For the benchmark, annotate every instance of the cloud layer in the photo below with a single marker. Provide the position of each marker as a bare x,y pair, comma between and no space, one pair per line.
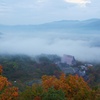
81,46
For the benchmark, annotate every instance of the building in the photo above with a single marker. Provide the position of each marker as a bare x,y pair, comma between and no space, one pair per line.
68,59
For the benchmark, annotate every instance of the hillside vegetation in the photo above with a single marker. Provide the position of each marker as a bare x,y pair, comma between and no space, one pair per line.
40,78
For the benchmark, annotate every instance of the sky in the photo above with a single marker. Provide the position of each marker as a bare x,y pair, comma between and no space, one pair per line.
14,12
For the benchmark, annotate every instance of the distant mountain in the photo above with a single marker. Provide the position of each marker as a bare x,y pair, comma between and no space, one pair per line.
56,26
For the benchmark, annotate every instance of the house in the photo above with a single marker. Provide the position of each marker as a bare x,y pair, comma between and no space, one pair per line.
68,59
83,67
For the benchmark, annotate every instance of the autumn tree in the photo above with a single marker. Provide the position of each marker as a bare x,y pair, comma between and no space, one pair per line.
70,87
74,87
7,91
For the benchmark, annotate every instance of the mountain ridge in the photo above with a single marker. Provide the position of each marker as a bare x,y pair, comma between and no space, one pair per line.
62,26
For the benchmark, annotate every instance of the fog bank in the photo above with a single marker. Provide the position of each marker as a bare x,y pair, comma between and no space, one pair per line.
84,47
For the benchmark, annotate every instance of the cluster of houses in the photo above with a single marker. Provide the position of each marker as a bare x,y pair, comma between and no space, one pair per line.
67,63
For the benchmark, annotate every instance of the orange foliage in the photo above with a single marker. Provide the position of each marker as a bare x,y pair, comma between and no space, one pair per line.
37,98
1,69
71,85
7,92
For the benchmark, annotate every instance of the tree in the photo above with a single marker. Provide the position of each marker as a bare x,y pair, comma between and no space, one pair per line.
53,94
74,87
62,88
7,91
35,92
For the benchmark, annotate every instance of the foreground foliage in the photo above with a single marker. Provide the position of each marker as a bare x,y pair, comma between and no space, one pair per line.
7,91
62,88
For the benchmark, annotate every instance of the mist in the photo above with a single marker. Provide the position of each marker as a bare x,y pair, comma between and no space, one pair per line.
85,47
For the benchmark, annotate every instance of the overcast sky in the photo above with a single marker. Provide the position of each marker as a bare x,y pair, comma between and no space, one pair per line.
41,11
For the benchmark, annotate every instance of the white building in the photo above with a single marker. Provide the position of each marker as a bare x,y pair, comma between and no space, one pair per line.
68,59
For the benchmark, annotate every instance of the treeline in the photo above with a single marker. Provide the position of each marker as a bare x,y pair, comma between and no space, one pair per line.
24,68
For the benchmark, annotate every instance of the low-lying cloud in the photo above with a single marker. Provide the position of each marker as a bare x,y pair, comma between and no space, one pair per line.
81,46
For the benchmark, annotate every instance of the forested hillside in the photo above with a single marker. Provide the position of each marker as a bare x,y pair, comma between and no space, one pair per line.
42,78
27,69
